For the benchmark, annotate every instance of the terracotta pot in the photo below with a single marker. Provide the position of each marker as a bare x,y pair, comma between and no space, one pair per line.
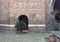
52,38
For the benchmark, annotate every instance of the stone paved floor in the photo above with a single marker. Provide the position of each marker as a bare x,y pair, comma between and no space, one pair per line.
11,36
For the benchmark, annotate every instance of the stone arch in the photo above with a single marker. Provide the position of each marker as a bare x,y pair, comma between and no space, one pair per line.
55,6
52,5
24,18
55,10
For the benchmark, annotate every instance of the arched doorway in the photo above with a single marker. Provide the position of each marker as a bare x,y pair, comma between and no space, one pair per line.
55,9
55,6
24,18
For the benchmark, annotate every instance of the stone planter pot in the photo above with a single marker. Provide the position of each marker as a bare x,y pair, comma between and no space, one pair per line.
19,30
52,38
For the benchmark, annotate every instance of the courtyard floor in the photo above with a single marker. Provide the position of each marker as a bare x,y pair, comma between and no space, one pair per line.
12,36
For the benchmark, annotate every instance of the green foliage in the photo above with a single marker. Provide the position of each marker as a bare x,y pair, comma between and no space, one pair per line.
47,39
20,25
52,23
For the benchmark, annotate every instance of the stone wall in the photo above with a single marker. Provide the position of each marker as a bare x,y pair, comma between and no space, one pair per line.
36,10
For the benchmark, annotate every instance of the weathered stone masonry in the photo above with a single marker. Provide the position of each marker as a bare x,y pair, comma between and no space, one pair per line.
35,10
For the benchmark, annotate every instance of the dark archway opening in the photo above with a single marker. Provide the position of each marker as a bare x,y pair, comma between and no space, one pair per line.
24,18
57,17
57,8
57,5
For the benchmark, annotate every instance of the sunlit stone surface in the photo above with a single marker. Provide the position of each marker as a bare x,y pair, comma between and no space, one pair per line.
35,10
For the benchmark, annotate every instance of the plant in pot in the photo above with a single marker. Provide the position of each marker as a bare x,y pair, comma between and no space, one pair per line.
20,26
52,38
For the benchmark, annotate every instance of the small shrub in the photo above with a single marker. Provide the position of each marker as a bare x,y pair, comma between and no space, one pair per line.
52,24
20,25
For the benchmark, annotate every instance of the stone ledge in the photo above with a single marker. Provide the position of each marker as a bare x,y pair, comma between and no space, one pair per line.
37,29
30,29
